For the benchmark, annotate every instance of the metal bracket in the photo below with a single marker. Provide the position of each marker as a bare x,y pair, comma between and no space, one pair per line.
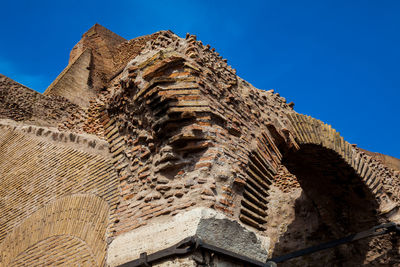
187,245
374,231
193,243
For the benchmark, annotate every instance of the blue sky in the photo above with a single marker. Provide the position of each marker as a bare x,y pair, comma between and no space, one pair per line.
338,61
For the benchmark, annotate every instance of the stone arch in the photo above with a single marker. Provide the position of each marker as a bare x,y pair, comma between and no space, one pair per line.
83,218
343,191
309,131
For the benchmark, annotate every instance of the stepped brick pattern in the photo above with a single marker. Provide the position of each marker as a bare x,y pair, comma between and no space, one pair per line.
137,134
20,103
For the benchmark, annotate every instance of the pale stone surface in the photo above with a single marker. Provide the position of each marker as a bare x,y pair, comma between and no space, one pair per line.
185,262
210,225
224,262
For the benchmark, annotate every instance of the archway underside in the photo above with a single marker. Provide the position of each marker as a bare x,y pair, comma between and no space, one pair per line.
374,175
341,193
334,202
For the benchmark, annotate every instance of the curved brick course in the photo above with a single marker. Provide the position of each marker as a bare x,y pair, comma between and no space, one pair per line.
312,131
81,216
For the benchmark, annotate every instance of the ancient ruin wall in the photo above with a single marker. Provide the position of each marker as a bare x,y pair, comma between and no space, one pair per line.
186,144
342,190
94,61
74,82
22,104
187,138
55,187
196,135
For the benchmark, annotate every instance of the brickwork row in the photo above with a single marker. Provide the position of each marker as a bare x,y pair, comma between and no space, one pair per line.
84,217
120,162
377,177
59,250
19,103
260,173
52,135
39,166
177,138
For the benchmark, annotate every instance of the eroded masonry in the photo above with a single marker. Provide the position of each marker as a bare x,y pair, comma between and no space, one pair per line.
140,144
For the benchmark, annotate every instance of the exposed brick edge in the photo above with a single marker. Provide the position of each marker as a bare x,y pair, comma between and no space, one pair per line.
92,143
49,89
308,130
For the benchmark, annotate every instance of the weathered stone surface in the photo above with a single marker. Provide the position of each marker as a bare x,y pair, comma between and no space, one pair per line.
230,235
175,144
211,226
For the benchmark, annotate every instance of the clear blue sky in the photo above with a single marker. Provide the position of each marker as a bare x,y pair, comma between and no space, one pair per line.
339,61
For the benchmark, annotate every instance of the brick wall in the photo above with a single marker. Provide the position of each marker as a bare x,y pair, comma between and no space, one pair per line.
196,135
185,142
74,82
55,187
170,128
19,103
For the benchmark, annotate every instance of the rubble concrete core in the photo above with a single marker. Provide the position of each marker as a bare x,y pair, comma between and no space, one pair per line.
211,226
157,139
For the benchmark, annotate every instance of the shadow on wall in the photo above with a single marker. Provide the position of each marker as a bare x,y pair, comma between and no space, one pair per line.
334,203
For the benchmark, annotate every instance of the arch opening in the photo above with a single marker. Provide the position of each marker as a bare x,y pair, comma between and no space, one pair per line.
334,202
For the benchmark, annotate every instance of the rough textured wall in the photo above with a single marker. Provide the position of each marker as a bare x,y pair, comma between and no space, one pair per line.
196,135
94,61
74,82
186,144
186,138
19,103
54,187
